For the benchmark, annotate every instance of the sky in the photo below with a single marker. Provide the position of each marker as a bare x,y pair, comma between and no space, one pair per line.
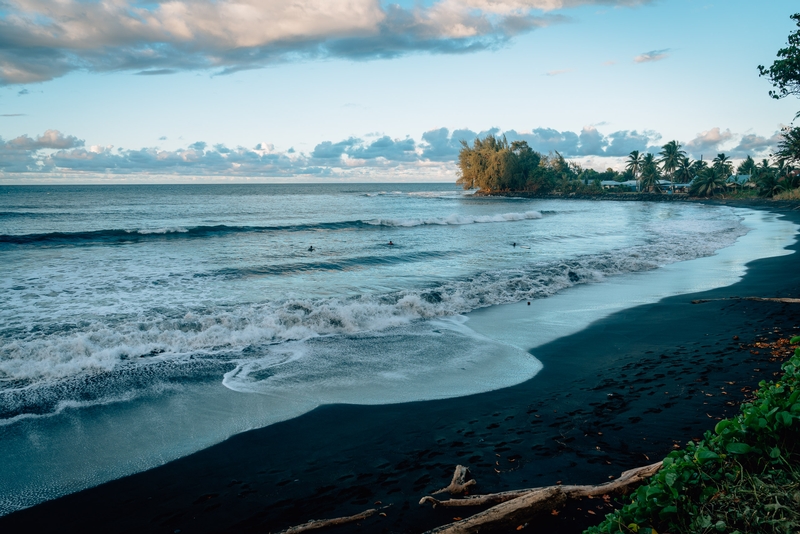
365,90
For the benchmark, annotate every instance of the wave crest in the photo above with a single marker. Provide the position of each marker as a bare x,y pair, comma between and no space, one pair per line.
455,219
179,232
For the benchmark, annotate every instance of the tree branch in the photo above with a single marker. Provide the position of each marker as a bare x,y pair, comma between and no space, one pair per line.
315,524
459,484
519,507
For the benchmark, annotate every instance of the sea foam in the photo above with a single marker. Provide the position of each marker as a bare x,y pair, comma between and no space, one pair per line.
135,351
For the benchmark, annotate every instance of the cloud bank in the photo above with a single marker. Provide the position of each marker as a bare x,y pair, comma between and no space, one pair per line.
43,39
434,154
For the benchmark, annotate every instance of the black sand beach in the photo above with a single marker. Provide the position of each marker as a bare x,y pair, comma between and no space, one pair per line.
620,394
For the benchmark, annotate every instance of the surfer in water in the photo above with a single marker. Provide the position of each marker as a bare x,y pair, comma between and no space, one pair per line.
391,244
514,244
311,248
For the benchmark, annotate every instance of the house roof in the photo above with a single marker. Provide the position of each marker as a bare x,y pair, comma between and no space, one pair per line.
738,179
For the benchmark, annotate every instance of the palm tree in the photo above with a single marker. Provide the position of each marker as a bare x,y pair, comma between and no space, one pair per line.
671,155
761,169
767,179
768,184
650,174
748,167
634,164
698,166
723,164
789,146
708,182
685,170
787,177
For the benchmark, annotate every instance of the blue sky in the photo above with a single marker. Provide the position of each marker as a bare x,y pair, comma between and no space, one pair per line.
366,91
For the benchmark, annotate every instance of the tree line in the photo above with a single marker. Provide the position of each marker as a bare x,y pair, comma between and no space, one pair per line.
493,164
765,178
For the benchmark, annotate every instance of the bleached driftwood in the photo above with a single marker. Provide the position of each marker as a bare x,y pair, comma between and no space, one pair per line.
477,500
325,523
760,299
459,484
518,507
507,515
511,508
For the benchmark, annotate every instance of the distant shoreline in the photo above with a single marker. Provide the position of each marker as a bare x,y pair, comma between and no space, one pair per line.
659,197
756,203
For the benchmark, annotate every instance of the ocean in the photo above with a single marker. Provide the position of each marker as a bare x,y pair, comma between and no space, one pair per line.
142,323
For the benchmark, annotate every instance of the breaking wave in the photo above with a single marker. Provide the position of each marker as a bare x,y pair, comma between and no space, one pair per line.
458,219
103,237
40,373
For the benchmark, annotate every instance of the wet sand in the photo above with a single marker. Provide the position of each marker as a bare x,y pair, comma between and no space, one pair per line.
619,394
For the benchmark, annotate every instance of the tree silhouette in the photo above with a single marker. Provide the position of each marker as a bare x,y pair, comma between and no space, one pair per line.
784,73
634,164
671,155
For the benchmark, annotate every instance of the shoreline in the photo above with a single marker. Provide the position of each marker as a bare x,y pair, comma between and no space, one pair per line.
610,397
769,204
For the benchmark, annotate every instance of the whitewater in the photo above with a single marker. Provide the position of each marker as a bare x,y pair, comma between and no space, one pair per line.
139,324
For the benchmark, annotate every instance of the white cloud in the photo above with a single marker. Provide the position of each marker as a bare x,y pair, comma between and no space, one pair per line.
708,142
753,144
507,6
44,39
592,141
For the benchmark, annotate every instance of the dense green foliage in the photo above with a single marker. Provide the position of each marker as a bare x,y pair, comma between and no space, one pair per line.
744,477
494,164
708,181
773,180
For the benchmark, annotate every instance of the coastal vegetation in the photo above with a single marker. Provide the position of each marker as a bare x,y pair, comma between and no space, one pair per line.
492,164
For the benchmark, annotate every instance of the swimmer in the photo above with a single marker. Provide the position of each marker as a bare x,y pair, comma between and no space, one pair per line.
391,243
514,244
311,248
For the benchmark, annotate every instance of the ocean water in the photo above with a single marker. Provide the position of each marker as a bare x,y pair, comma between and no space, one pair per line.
141,323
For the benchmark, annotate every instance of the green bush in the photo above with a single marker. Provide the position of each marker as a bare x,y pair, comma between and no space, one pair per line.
741,478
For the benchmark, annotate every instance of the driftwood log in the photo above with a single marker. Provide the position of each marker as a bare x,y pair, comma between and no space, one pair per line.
760,299
325,523
514,508
509,508
459,484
